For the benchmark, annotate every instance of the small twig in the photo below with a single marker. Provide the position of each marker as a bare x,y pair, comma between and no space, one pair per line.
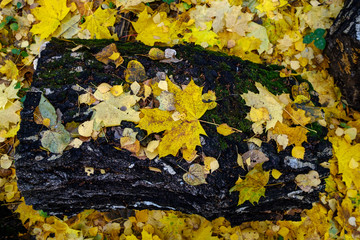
235,129
311,130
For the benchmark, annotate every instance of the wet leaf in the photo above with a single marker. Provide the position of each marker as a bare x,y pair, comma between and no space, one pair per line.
195,176
56,140
252,188
224,129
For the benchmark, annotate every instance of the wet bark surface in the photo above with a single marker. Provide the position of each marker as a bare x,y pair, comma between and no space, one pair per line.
58,183
343,51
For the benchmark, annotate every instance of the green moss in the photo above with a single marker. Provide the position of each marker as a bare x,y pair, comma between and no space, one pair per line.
225,67
223,144
319,132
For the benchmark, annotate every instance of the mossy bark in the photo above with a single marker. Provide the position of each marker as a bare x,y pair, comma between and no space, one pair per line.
59,184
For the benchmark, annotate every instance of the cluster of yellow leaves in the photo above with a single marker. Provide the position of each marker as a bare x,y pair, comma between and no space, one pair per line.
278,113
9,110
181,124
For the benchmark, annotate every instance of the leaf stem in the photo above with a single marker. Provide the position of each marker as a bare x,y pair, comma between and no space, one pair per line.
215,124
310,130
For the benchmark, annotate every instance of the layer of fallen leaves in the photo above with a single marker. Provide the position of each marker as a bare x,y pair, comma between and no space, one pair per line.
268,31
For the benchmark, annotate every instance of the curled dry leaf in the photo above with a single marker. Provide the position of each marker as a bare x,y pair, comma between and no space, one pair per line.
110,54
104,87
211,164
255,156
307,181
89,170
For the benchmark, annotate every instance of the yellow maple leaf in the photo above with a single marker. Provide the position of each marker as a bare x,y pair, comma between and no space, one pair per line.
204,37
323,84
179,132
348,158
98,23
10,70
7,93
244,47
285,43
267,100
50,13
115,109
237,21
151,29
252,188
296,135
9,115
173,225
27,213
270,5
298,116
204,232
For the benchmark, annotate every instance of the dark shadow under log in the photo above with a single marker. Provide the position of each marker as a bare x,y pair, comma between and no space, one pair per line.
58,183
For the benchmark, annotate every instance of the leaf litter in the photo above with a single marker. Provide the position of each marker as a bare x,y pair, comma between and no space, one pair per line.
281,36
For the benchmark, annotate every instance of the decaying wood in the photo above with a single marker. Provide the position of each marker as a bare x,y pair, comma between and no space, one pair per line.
343,51
58,183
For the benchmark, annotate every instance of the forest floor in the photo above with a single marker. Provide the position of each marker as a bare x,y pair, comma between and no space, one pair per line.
289,33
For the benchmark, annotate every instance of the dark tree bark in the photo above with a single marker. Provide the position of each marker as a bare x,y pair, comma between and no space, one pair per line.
343,51
58,184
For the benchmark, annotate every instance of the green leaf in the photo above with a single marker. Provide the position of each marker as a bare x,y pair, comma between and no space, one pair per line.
319,32
24,54
97,237
43,214
18,85
14,26
15,51
168,1
308,39
9,19
344,125
2,25
47,110
56,141
23,99
320,43
111,5
18,5
186,6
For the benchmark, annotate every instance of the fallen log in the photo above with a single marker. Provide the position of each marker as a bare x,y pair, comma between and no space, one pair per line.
58,183
343,51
